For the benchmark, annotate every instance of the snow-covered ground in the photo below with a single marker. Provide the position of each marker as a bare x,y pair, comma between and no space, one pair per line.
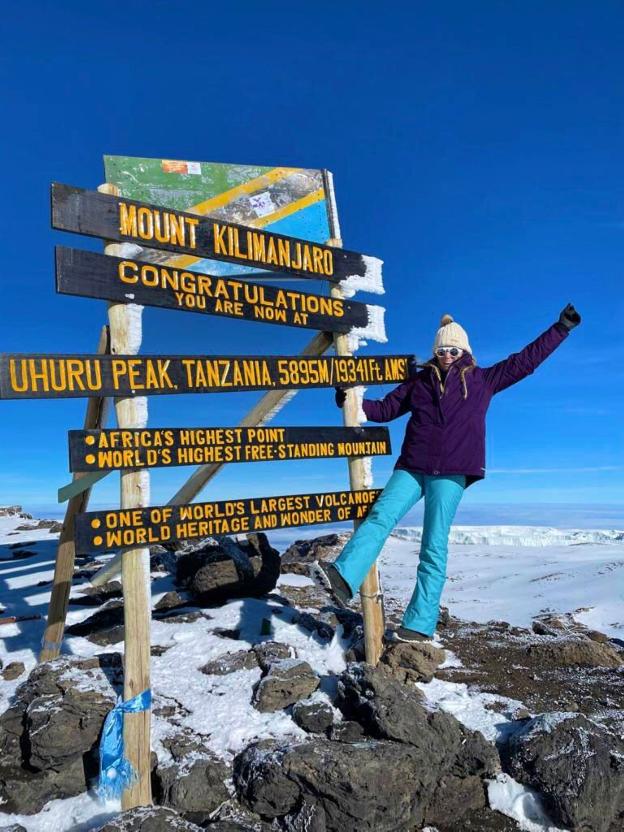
509,573
512,573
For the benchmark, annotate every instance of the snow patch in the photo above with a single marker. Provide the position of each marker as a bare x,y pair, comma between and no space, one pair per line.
518,535
521,803
359,395
370,281
469,707
375,329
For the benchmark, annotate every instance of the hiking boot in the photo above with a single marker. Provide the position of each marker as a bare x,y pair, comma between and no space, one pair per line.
329,578
409,636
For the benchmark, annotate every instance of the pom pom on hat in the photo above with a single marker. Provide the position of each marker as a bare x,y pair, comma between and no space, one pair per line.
451,334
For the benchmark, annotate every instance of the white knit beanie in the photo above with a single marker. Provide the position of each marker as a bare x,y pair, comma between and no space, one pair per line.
451,334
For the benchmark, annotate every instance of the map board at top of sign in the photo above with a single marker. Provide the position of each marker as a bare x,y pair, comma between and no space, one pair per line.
285,200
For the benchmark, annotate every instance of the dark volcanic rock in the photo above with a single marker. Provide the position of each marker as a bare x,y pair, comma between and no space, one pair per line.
230,662
13,670
149,819
286,682
103,627
170,601
372,785
578,766
94,596
216,573
390,710
309,818
314,717
269,652
49,736
479,820
346,731
412,662
52,525
14,511
27,792
194,784
232,816
575,652
302,553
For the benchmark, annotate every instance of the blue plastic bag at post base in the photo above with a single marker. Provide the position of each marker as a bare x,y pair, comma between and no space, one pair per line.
116,773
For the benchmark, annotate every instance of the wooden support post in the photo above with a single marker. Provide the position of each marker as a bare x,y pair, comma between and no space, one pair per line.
370,593
66,554
125,332
260,414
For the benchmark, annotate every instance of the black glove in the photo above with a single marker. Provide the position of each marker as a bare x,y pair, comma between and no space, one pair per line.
340,396
569,317
412,366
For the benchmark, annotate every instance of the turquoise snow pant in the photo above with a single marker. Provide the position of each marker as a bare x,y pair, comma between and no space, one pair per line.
442,495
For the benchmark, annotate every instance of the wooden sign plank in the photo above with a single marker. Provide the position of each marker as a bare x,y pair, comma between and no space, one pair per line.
126,220
108,450
39,376
103,531
126,280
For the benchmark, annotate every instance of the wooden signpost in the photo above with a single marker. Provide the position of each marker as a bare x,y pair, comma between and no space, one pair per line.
128,221
103,531
95,417
206,233
128,280
37,376
106,450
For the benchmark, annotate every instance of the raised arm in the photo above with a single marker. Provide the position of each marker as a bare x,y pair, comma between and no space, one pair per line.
521,364
395,404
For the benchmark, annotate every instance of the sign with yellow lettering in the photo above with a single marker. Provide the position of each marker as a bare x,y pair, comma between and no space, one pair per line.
107,450
116,218
36,376
92,275
103,531
292,201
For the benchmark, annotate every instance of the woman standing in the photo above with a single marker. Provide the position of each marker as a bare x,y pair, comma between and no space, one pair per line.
442,454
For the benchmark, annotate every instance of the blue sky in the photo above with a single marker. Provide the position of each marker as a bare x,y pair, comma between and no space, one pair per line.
476,148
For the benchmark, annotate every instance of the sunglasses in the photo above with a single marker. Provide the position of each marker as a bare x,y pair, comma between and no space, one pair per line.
452,350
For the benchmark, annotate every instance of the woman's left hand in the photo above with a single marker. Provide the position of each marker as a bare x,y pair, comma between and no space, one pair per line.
569,317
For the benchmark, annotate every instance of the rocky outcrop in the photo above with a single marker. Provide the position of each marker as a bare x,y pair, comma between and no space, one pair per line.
286,682
267,653
230,663
149,819
298,557
220,571
13,670
49,736
314,716
390,710
52,525
442,765
104,627
412,662
369,785
14,511
194,783
575,652
577,765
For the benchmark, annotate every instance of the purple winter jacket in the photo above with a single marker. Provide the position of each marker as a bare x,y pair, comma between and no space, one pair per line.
446,430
